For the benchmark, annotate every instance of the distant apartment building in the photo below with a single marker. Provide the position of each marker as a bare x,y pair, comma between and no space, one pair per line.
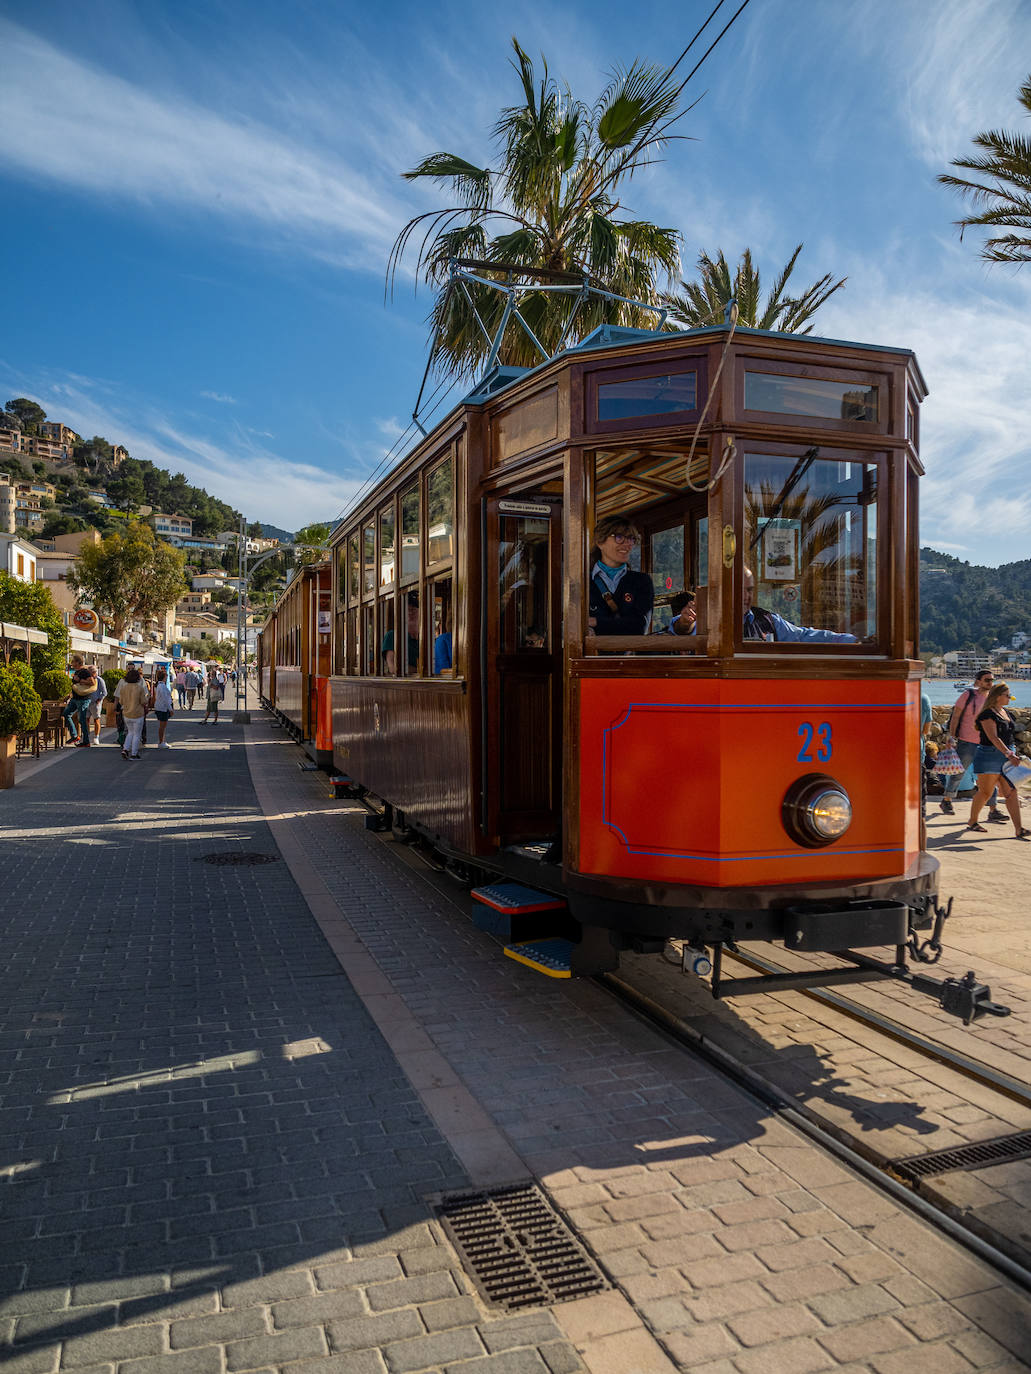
59,434
10,432
198,543
68,543
8,504
41,447
250,545
118,455
101,498
173,526
192,602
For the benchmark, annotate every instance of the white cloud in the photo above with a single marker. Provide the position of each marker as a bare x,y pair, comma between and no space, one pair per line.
220,397
142,147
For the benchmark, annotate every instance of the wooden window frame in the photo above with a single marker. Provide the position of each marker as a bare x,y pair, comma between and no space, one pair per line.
776,367
696,363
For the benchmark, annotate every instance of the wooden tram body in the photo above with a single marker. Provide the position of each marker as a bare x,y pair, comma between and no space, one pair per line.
294,659
649,778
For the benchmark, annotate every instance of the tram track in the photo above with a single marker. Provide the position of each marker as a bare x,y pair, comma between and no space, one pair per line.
973,1069
980,1241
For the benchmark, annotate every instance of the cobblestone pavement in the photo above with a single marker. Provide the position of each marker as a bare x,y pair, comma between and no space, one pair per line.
888,1100
210,1160
734,1244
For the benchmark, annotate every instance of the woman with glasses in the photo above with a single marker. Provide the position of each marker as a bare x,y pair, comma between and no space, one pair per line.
963,732
621,599
995,726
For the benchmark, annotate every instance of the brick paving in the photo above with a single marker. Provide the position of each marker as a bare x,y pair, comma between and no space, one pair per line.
734,1244
210,1160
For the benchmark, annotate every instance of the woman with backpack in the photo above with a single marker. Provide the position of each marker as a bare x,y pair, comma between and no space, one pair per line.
963,729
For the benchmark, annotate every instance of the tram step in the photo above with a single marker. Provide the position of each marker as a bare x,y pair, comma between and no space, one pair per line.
341,785
551,957
516,900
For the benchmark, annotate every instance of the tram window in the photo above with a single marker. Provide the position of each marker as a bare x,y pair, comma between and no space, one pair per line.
440,515
354,577
667,560
369,556
368,649
701,555
811,540
351,662
817,396
386,547
523,584
410,533
413,625
647,396
388,659
442,628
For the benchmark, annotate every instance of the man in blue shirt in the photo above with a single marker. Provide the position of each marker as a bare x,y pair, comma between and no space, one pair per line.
762,624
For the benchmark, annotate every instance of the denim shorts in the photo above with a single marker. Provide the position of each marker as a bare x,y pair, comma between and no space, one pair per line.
988,759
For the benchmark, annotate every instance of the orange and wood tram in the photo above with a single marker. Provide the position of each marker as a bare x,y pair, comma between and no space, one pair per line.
545,710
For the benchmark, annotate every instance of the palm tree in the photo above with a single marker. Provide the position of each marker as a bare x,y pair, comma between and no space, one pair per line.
704,302
1007,196
549,205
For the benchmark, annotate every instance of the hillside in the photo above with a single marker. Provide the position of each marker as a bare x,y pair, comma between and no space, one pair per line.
965,606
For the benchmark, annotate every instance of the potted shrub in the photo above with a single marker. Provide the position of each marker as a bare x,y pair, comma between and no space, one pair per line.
20,708
112,677
54,686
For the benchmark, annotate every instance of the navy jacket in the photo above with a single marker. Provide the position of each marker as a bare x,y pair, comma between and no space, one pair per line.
634,596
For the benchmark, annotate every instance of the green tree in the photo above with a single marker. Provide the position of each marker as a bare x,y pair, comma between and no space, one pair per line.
704,301
551,201
30,603
20,705
28,412
315,537
131,575
1002,187
127,490
94,453
62,523
254,530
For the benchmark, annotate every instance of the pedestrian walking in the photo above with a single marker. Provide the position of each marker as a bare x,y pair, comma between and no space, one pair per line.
133,696
995,750
180,688
191,684
962,729
215,692
71,712
84,685
162,698
96,704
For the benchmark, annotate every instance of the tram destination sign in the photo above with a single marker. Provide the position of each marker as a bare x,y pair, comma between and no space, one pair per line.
523,508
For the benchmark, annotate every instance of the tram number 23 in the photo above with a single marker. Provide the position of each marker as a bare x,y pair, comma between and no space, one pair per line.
816,742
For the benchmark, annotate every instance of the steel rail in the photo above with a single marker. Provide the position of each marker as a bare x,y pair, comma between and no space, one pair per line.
961,1063
808,1125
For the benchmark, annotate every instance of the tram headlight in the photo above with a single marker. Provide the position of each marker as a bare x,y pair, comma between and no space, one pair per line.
816,811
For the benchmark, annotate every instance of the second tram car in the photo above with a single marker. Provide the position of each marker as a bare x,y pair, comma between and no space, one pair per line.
755,779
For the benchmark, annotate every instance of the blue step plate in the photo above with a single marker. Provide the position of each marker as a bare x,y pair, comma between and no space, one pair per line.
552,957
515,899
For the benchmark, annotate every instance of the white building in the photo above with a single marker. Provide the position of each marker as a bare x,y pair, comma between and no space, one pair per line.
18,557
173,526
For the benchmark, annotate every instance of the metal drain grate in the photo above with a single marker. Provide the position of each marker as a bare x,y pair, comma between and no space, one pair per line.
518,1249
982,1155
237,859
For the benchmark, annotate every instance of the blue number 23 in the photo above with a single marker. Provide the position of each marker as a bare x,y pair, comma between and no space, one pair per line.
823,736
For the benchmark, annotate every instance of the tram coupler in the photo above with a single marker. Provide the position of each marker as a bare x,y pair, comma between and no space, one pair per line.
963,997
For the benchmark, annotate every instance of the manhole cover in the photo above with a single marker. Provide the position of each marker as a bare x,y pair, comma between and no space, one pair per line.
238,859
981,1155
518,1249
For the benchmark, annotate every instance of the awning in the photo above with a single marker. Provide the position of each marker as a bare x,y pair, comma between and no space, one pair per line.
23,634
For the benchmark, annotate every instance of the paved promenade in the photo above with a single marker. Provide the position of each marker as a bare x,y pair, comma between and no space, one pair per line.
229,1092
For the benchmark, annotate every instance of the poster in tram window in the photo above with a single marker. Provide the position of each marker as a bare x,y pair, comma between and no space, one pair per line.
325,622
779,546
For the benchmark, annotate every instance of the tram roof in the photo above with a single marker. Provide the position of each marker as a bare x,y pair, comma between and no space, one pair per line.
615,335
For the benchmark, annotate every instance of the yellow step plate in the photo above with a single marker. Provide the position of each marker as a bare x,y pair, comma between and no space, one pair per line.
552,957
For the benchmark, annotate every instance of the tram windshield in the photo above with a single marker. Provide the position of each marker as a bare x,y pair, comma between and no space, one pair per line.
807,543
810,535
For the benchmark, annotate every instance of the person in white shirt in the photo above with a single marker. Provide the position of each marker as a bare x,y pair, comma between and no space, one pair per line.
162,704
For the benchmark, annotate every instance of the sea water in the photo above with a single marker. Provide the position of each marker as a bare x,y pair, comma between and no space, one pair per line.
942,691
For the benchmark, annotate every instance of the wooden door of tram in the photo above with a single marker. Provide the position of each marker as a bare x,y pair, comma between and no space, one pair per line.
523,739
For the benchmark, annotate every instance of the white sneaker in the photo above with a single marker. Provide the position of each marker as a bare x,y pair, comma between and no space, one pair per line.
163,745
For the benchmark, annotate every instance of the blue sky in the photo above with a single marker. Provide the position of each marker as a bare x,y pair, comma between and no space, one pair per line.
199,198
